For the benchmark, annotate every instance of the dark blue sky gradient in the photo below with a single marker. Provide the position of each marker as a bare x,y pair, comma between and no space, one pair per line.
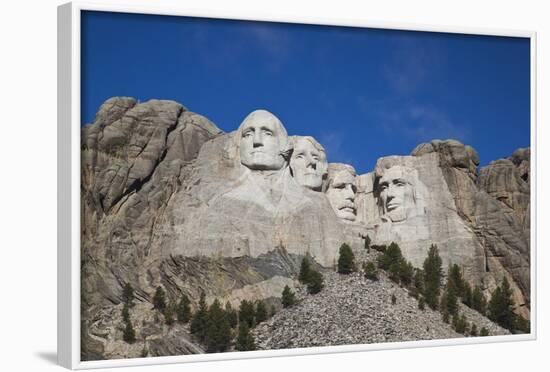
363,93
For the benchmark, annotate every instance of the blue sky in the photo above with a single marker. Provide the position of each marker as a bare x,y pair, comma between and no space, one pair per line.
362,93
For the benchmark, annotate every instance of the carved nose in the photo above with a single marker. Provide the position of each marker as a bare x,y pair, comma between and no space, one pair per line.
257,140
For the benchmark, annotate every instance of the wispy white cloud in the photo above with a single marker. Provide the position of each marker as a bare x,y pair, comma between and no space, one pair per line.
419,122
333,142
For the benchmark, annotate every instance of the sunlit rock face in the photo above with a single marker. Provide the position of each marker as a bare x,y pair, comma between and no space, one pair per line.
308,162
341,189
244,200
400,192
263,141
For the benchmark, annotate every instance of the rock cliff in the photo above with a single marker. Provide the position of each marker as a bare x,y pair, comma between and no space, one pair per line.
170,200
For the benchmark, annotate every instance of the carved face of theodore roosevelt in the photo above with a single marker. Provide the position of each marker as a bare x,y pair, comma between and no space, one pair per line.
263,141
341,190
308,162
396,194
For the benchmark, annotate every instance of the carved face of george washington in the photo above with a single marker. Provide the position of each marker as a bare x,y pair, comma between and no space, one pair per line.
263,141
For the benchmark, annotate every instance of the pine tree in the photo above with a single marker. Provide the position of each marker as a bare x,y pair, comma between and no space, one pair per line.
406,272
418,282
449,301
169,312
315,284
245,341
346,260
370,270
432,277
484,332
289,298
479,302
231,314
467,295
367,243
455,280
460,324
501,306
126,313
247,313
305,269
218,333
128,295
522,324
473,330
261,312
159,300
393,299
199,322
129,334
392,256
184,309
273,311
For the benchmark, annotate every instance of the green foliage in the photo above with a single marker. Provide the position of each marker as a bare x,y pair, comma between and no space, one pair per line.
460,324
393,299
184,309
391,256
484,332
169,314
128,294
501,306
370,270
218,332
199,322
417,287
289,298
144,352
379,248
406,272
273,310
261,312
245,341
449,301
346,260
129,334
126,313
367,243
159,300
467,295
432,277
479,302
315,284
473,330
305,270
455,281
247,313
522,325
421,303
231,315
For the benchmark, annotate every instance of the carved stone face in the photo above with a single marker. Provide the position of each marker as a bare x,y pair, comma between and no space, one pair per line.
308,162
341,192
396,194
263,141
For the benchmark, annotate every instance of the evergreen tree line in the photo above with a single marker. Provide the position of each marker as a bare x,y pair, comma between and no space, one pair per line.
426,285
312,278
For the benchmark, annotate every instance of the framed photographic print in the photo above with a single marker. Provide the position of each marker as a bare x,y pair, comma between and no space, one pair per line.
237,187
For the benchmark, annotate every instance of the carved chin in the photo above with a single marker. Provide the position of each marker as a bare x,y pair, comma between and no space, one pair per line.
397,215
313,182
346,214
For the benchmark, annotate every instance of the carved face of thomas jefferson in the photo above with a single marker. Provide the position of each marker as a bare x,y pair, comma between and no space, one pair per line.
341,190
308,162
263,141
396,194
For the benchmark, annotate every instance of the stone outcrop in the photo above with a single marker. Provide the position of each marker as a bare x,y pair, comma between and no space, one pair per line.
170,200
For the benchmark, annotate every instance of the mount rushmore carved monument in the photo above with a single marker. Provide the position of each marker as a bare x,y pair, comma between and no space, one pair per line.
170,200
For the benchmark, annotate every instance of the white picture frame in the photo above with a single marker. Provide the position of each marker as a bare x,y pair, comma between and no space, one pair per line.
69,186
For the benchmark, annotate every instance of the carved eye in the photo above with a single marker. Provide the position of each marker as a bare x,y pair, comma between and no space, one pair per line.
268,132
300,156
383,186
248,133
